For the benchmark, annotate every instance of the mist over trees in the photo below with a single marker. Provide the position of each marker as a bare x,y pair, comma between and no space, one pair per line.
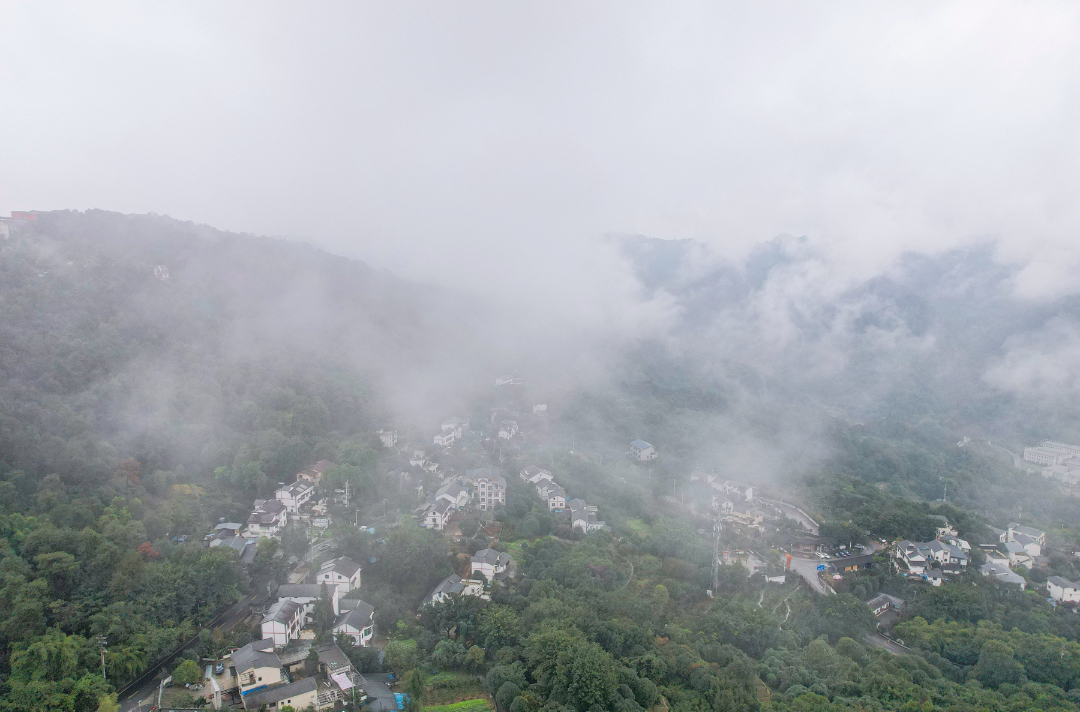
140,406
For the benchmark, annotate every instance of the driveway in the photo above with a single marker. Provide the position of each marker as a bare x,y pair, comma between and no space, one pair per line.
381,699
807,568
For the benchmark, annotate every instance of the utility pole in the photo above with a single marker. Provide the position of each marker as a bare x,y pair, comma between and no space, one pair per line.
716,555
103,642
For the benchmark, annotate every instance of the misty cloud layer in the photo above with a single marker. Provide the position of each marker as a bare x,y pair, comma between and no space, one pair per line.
488,147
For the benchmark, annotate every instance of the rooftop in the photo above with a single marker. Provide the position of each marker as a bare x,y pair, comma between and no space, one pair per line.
490,556
640,444
282,612
255,655
359,617
343,565
271,695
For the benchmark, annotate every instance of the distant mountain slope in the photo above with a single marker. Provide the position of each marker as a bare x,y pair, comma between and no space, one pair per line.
936,336
100,358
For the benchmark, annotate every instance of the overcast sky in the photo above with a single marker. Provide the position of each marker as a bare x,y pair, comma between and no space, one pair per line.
493,143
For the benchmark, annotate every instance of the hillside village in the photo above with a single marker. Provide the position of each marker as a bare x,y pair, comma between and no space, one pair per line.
461,492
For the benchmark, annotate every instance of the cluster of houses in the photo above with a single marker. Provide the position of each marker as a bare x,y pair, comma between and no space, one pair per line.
271,673
484,487
293,501
1016,546
266,676
583,517
290,614
933,560
735,501
1059,461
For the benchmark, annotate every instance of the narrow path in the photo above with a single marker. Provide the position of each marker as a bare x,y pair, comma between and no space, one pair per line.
762,598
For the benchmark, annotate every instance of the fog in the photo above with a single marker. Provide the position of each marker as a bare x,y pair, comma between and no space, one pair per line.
498,151
490,146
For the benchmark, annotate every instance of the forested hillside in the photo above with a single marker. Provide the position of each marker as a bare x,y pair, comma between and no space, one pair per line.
156,377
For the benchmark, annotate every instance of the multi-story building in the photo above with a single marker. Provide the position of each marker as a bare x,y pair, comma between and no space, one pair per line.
357,620
488,487
342,572
642,451
268,519
296,495
490,563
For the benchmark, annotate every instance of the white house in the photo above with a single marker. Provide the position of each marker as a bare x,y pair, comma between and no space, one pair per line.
268,519
489,487
883,602
456,424
283,622
1063,590
1001,572
583,517
307,593
944,528
455,585
642,451
256,665
418,458
299,695
438,515
916,556
933,577
534,475
739,490
341,572
1018,556
540,409
357,621
455,492
489,562
1037,535
388,438
1031,544
295,496
444,438
555,496
508,429
507,381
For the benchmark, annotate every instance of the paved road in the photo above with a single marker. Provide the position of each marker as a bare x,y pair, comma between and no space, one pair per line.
880,641
807,568
793,513
145,693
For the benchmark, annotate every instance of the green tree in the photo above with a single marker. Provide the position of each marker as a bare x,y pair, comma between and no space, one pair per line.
506,694
187,673
414,689
997,665
108,703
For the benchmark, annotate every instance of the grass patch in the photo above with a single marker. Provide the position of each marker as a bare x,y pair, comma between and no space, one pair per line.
449,688
475,705
638,527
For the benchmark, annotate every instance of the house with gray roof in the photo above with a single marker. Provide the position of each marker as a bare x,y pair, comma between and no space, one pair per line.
342,572
489,562
256,665
358,622
298,695
454,585
1002,573
1063,590
283,622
